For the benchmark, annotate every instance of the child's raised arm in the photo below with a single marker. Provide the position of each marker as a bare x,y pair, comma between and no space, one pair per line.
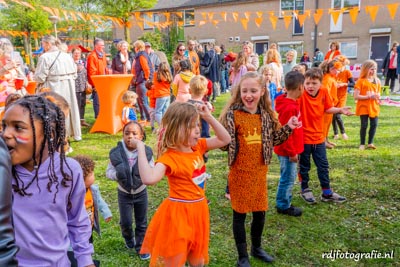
222,137
149,175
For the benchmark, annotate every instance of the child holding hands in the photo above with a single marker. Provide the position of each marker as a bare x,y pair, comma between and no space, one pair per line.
367,92
179,231
254,131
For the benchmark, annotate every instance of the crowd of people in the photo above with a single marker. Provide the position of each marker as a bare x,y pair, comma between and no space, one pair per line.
282,108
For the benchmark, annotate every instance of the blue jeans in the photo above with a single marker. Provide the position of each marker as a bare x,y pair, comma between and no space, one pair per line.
318,153
143,102
96,103
129,204
162,104
288,175
224,81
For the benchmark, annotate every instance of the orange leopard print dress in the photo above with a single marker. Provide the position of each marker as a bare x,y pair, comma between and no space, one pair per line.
247,177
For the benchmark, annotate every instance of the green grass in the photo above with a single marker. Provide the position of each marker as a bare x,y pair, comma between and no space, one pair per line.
370,219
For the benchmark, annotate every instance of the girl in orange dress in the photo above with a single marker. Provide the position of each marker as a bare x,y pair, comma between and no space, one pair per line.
254,130
367,92
179,230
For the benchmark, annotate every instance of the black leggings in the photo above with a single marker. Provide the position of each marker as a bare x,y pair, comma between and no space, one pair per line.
373,123
257,226
337,121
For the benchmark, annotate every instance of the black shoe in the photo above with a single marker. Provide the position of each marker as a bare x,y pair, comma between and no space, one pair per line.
243,262
260,254
291,211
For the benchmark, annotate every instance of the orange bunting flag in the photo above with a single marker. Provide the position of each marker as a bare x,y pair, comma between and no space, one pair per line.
48,9
137,16
81,15
259,14
180,23
56,12
373,11
295,13
247,15
301,19
353,14
335,15
273,19
223,15
215,22
179,14
73,16
287,20
244,22
149,15
204,15
65,13
318,15
392,9
27,5
128,24
235,16
258,21
210,16
202,22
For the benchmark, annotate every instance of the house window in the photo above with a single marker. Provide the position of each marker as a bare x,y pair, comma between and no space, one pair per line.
349,49
149,20
188,17
291,5
339,4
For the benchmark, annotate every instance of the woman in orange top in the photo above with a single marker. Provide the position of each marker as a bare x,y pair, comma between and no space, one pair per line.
333,52
330,70
162,92
180,229
344,80
367,92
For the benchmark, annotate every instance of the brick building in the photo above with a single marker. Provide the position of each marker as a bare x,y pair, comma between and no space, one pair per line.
225,22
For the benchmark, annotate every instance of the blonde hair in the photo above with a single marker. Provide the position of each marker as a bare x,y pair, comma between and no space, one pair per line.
120,43
177,122
139,44
198,86
365,68
236,99
240,60
217,49
273,56
265,68
128,97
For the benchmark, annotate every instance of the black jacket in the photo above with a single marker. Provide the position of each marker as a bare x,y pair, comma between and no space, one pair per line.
8,248
129,180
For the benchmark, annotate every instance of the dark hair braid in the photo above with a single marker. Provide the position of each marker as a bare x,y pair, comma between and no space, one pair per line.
53,122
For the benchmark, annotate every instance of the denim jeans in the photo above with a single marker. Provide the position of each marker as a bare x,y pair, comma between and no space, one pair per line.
96,104
224,82
286,181
129,204
318,153
162,104
373,123
143,102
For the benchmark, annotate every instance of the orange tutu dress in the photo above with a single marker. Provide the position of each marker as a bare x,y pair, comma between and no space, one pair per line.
179,231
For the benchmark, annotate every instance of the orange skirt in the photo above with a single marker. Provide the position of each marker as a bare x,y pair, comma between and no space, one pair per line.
179,232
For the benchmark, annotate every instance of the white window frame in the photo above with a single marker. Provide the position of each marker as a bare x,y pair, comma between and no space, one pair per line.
155,18
283,47
338,27
349,48
187,23
293,5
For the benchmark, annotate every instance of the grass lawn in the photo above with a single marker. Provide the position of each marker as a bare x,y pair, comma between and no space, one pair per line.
369,220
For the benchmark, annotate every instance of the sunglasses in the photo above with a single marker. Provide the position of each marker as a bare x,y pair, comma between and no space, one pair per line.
182,49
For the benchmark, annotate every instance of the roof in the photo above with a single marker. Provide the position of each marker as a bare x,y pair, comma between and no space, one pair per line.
176,4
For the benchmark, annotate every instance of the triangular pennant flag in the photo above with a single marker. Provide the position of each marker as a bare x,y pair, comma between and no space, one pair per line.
210,16
180,23
247,15
373,11
65,13
244,22
215,22
258,21
56,12
204,15
295,13
318,15
392,9
202,22
353,12
235,16
27,5
48,9
149,15
81,15
179,14
167,17
223,15
259,14
72,14
273,19
301,18
287,20
335,15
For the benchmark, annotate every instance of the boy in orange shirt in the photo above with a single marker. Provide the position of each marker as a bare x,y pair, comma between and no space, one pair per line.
313,104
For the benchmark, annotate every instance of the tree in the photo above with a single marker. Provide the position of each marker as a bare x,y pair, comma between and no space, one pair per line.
123,10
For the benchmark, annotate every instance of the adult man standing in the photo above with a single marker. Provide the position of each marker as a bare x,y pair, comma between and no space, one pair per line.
193,57
389,66
96,65
154,59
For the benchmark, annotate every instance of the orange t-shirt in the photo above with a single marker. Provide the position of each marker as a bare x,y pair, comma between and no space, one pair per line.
186,172
368,107
343,77
329,82
312,110
161,89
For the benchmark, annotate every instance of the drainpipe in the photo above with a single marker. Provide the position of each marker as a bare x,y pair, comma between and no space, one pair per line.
316,28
